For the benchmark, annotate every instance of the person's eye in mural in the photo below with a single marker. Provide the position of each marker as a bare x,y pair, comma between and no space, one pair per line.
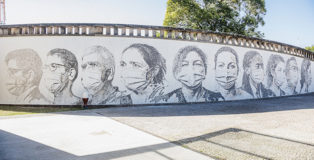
24,75
97,75
190,68
276,76
59,72
142,71
226,74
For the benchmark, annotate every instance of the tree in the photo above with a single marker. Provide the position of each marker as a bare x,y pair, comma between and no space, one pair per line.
310,48
230,16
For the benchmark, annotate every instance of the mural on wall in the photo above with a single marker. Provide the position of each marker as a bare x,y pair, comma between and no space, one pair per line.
59,72
190,69
24,75
306,77
142,71
253,76
276,74
98,69
226,74
123,71
292,76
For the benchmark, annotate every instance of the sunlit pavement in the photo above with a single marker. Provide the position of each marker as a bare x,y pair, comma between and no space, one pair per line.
281,128
82,135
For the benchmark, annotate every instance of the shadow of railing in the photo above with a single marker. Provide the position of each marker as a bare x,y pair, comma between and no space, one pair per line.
16,147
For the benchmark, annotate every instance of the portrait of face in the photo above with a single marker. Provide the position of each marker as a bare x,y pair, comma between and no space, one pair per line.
134,70
23,70
19,77
292,73
278,74
191,71
93,73
56,74
256,69
226,70
308,76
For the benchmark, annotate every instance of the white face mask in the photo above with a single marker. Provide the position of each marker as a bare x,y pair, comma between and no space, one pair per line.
190,79
92,81
136,80
56,83
17,85
226,82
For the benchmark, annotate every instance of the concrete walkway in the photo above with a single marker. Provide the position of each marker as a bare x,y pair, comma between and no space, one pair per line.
82,135
281,128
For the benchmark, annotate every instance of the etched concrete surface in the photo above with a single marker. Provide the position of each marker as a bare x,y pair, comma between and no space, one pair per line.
259,129
82,135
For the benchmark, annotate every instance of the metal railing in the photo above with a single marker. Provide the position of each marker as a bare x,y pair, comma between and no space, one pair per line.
158,32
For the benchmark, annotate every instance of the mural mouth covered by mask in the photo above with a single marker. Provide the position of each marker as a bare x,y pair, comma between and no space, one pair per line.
191,80
92,82
16,88
135,83
54,85
226,82
258,76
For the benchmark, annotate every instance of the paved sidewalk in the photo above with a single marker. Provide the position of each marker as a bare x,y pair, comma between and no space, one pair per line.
82,135
281,128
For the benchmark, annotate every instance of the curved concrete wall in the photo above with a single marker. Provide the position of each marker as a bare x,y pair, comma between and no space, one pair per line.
138,70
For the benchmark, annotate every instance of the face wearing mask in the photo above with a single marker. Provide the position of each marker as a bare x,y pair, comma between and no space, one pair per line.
256,69
93,74
18,80
292,73
56,74
308,76
191,71
135,72
226,70
279,74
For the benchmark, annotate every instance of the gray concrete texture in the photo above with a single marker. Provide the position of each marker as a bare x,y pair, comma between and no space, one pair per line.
280,128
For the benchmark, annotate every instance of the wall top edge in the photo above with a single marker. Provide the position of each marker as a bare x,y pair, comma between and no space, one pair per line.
149,27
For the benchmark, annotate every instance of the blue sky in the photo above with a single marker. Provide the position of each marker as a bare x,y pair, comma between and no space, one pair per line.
287,21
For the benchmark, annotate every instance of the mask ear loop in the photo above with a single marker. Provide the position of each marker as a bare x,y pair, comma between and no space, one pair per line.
149,79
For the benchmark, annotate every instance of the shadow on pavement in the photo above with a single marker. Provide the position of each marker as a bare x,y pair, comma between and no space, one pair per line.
19,148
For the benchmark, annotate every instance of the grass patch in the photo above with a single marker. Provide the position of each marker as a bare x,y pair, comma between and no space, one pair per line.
20,110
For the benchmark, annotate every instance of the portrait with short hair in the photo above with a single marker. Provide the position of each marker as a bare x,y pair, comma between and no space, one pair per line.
98,68
59,73
24,75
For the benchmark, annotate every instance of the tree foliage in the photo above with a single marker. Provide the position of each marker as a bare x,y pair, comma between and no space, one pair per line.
230,16
310,48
